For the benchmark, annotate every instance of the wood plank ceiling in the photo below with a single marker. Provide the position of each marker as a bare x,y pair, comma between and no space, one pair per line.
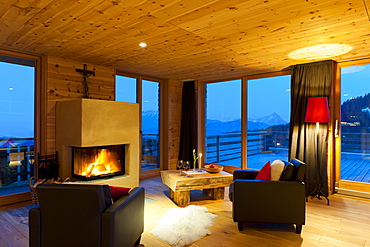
186,39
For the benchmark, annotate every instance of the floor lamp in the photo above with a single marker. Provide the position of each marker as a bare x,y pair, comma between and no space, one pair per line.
317,112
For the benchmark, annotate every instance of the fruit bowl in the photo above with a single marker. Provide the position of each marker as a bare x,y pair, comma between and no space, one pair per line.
213,168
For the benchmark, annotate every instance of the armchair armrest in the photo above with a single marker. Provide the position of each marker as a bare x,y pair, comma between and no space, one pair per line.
123,221
34,221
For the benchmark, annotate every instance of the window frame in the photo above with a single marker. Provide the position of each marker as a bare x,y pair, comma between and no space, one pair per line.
162,109
337,132
244,87
40,113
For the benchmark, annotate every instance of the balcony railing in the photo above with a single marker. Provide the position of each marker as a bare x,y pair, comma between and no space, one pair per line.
16,164
150,152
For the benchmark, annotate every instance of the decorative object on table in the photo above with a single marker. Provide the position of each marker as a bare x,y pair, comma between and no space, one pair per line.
317,112
213,168
183,226
187,165
200,162
180,165
195,158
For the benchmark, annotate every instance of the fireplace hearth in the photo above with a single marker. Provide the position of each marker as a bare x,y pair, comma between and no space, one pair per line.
89,163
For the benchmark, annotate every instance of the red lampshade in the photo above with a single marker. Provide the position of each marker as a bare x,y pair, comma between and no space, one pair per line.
317,110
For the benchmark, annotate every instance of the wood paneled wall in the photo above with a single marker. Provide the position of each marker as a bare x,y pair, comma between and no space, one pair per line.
174,121
64,82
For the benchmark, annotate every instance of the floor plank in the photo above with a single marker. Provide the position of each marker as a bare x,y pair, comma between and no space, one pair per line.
346,222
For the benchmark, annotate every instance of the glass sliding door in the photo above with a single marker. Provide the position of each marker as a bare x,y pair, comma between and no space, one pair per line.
268,117
150,125
146,92
355,124
223,123
17,137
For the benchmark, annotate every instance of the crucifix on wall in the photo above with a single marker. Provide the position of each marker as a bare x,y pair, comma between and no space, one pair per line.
86,73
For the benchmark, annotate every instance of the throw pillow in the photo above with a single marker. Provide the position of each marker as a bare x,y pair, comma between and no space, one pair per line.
300,172
288,172
277,168
264,173
117,192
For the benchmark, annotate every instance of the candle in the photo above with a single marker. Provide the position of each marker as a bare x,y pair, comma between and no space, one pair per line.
200,160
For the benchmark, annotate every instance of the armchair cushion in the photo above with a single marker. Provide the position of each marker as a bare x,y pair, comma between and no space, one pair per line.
277,168
300,169
265,173
288,172
117,192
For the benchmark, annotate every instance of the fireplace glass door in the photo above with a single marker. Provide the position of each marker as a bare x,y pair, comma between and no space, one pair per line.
98,162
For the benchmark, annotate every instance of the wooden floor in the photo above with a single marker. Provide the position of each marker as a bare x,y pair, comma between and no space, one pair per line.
346,222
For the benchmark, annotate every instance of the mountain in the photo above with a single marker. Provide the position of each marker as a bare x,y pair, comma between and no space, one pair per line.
150,122
215,127
355,114
273,119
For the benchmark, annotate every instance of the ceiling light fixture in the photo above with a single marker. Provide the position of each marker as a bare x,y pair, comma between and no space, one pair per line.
142,44
324,51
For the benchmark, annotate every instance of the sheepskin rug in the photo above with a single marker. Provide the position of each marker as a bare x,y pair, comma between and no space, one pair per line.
184,226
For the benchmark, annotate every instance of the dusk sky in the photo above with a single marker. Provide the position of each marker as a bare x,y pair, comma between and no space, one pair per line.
17,100
265,96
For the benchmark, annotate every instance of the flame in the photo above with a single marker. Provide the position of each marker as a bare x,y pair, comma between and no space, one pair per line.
103,164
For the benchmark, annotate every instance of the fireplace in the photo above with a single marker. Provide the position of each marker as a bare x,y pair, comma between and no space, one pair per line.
79,126
90,163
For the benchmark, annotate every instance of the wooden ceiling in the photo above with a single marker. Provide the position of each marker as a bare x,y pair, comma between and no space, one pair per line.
186,39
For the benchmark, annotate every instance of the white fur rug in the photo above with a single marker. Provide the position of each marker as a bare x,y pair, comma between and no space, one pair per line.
183,226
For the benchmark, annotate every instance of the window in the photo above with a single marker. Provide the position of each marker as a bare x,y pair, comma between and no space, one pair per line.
125,89
129,89
266,114
268,109
17,90
150,125
355,123
223,123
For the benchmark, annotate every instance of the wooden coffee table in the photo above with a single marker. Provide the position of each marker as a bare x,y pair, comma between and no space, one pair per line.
212,184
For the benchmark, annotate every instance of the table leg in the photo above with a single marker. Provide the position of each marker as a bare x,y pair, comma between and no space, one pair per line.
181,197
171,194
218,193
207,192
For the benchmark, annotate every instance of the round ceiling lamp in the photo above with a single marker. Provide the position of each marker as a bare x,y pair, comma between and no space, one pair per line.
324,51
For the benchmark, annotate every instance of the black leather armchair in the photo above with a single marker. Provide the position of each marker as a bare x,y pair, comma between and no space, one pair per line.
269,201
83,215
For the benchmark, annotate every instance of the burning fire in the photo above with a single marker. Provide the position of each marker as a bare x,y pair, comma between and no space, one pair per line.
103,164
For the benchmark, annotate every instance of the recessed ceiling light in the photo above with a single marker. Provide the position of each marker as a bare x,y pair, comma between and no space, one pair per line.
142,44
324,51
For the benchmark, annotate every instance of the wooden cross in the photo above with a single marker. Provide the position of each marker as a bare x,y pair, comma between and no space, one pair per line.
86,73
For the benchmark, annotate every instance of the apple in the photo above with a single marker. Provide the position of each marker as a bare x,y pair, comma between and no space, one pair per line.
212,166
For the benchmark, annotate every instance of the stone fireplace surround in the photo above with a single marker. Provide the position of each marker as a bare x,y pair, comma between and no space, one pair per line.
90,122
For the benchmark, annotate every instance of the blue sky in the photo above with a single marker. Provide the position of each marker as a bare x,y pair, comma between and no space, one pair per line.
265,96
355,81
17,100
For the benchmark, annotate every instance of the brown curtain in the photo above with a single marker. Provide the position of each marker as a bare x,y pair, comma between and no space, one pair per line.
309,80
188,133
